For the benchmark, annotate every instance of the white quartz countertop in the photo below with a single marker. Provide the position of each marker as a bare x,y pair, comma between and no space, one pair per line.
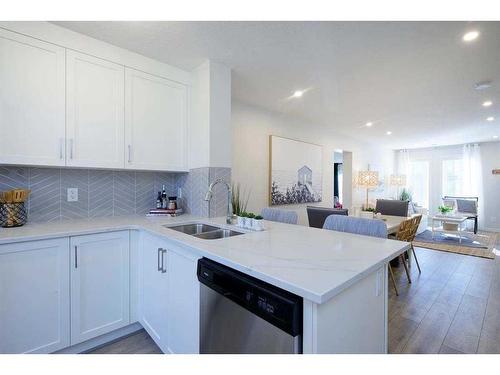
315,264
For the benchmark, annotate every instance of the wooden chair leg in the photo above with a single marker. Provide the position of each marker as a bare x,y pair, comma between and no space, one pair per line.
406,268
392,279
415,257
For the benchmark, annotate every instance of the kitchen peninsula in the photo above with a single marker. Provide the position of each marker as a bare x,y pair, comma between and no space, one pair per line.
146,276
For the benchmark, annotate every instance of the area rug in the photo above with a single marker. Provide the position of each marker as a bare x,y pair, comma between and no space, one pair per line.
479,245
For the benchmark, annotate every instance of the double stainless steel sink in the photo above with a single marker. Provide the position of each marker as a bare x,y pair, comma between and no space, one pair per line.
204,231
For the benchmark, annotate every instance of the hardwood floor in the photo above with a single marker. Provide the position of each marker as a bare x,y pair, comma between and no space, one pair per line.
137,343
453,307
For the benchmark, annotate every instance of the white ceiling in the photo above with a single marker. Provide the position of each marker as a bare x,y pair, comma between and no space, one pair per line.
415,79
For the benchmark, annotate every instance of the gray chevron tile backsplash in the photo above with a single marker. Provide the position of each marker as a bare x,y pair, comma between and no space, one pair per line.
100,192
104,193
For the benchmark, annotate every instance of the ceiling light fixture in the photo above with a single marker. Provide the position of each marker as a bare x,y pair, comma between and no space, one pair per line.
389,133
470,36
495,136
368,124
487,103
491,118
298,94
483,85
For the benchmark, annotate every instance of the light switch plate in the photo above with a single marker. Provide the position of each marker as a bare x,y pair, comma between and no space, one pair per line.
72,194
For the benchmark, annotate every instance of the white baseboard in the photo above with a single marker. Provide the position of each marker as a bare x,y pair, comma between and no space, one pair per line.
101,340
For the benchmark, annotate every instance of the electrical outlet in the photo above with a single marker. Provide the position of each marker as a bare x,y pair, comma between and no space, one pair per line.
493,219
72,194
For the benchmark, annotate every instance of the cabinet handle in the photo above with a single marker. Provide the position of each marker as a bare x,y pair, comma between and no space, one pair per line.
61,147
76,256
163,266
130,153
160,262
71,148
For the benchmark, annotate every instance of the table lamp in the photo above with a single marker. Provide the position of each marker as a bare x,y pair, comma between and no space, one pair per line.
398,180
368,180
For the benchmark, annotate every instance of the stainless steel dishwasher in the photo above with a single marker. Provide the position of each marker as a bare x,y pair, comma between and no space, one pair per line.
241,314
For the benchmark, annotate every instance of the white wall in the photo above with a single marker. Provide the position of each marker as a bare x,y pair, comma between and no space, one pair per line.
490,157
252,127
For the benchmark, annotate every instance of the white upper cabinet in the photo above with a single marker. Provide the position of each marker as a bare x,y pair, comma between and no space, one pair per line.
32,91
155,122
94,112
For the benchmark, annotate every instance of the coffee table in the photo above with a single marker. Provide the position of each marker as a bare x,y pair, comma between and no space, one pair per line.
448,219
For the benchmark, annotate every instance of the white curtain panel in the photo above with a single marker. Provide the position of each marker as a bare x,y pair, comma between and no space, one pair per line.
403,163
473,177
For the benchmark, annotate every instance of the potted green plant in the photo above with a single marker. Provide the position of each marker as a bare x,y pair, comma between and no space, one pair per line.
368,212
405,195
445,210
239,199
249,221
242,219
257,223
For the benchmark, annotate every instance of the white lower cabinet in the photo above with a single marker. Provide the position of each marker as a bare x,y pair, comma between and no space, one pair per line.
153,290
62,292
99,284
169,295
34,296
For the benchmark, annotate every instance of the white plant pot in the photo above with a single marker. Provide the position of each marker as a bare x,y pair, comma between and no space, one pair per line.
257,224
248,223
366,214
241,221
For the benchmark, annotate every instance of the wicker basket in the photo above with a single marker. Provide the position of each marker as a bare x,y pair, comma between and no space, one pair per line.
13,214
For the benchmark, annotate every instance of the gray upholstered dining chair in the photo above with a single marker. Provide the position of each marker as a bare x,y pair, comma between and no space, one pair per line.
360,225
392,207
282,216
318,215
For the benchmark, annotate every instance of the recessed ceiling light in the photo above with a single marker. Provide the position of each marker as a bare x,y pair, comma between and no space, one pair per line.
470,36
495,136
491,118
369,124
389,133
483,85
487,103
298,94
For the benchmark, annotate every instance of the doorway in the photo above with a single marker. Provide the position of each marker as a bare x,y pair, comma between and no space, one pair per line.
342,177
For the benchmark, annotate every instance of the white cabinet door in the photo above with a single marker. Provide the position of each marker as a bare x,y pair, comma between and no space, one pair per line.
32,109
34,296
183,302
95,125
155,122
153,290
99,284
169,302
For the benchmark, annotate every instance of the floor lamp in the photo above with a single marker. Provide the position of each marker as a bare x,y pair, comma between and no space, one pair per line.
368,180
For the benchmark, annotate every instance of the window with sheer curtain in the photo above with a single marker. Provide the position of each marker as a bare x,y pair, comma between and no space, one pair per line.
452,175
418,182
